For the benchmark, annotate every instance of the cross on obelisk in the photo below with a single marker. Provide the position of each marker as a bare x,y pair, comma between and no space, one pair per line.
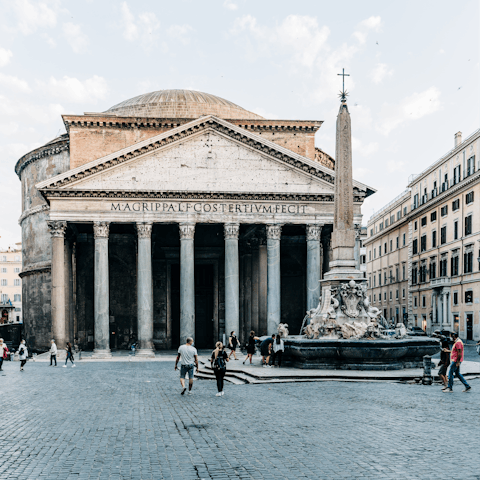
343,93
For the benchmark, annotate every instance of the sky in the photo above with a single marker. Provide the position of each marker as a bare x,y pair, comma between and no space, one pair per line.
414,73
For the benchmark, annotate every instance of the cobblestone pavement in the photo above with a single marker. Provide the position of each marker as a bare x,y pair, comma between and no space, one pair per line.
127,421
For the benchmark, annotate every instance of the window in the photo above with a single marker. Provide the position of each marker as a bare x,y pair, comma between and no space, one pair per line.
399,215
434,239
379,279
470,165
415,201
363,259
381,226
414,274
469,198
424,301
468,225
397,242
16,282
468,261
433,216
455,205
455,298
443,235
396,294
379,250
403,293
4,298
371,232
374,253
392,219
4,270
17,258
433,269
396,275
385,296
455,230
369,255
4,282
423,273
469,296
415,302
404,237
385,248
391,245
423,243
16,270
17,297
4,258
403,272
415,225
374,280
404,211
374,297
444,211
391,277
443,266
415,246
454,264
424,221
456,174
385,277
390,294
386,223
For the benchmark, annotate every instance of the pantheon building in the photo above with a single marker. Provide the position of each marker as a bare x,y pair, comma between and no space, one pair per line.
173,214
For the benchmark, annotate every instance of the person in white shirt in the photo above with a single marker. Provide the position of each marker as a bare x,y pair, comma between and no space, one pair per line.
53,353
3,352
187,355
22,354
278,348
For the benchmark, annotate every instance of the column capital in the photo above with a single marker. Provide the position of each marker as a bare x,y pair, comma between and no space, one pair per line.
274,232
231,231
57,228
187,231
101,229
313,231
144,229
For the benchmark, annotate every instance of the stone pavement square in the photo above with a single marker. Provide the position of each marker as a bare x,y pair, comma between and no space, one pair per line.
121,420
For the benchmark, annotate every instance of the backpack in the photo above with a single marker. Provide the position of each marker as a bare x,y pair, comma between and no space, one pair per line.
219,363
21,351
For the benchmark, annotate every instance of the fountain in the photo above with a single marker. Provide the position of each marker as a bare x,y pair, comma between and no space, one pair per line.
344,330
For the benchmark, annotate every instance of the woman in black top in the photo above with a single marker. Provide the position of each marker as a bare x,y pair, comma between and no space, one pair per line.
69,354
250,347
218,361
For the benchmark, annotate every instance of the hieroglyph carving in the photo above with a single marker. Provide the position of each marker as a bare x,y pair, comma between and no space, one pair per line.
313,232
57,228
274,232
100,229
144,230
231,231
187,230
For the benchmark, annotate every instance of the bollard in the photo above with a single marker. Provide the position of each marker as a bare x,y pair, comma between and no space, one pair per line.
427,370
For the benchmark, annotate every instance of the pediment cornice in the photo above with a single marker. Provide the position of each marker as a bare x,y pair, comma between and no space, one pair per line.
176,135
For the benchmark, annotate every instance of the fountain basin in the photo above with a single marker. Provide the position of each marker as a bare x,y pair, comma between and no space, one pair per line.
358,354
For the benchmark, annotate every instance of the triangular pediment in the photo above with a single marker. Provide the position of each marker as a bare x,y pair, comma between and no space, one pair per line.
207,155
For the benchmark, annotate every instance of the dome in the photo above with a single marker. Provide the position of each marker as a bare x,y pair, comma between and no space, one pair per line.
180,104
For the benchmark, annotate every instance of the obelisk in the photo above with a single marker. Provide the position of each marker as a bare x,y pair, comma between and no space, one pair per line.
342,266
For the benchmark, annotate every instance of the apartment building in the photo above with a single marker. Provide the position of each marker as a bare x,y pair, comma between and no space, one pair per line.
423,248
11,285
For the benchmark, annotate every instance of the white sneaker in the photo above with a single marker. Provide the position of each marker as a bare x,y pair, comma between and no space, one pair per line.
190,392
219,394
73,365
64,366
223,393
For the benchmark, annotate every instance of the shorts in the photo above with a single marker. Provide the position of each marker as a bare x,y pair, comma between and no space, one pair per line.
232,349
443,369
184,369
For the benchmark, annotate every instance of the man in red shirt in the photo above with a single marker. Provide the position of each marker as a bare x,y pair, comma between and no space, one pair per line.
456,358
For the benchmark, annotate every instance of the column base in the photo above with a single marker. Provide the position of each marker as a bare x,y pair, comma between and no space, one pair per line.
102,353
145,353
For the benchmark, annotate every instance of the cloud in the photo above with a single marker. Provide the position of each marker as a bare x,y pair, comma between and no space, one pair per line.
180,33
372,23
363,149
413,107
395,166
75,37
75,91
230,5
14,83
5,56
34,15
380,71
262,112
28,113
143,28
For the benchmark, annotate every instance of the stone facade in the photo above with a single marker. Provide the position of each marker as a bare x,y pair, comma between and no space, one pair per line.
11,285
169,228
423,248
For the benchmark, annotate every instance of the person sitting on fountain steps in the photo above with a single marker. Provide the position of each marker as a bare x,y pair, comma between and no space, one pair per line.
456,358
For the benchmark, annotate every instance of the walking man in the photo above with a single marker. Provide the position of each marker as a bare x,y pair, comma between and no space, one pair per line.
3,352
188,357
456,358
22,354
53,353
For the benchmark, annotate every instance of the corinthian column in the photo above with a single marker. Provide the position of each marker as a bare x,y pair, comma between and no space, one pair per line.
231,231
145,290
187,281
274,233
101,302
313,234
57,230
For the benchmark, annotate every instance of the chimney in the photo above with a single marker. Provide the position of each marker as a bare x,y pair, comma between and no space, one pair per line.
458,139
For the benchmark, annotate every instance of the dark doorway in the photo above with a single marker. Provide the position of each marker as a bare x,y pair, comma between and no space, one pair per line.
469,326
203,305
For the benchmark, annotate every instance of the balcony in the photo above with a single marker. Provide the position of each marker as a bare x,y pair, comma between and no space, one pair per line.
440,282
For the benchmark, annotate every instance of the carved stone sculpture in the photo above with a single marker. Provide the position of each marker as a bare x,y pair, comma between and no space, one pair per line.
352,297
283,330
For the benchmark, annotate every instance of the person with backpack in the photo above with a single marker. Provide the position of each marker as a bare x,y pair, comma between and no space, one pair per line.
3,352
69,355
22,354
219,366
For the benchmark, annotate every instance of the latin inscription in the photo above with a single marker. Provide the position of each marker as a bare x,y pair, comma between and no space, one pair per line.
201,207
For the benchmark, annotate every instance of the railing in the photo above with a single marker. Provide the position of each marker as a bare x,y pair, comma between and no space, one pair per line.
388,205
440,282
